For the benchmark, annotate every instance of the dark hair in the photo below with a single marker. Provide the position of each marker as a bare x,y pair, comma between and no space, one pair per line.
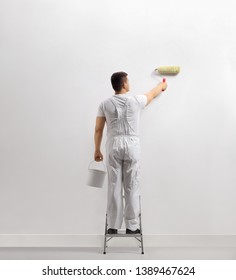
117,80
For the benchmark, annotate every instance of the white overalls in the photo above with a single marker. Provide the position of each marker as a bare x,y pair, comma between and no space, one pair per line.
122,114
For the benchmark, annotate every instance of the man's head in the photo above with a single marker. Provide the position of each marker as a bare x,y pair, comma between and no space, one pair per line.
120,82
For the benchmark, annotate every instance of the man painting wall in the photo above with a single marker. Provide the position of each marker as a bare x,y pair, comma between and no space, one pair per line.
121,114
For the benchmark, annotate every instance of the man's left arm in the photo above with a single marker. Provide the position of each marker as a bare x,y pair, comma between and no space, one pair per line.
100,123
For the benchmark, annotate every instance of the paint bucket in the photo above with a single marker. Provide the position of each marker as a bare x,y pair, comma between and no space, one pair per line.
96,176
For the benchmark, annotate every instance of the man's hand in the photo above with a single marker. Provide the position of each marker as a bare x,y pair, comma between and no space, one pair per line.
98,156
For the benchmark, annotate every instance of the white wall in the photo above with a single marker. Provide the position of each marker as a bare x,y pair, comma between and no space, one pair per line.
56,59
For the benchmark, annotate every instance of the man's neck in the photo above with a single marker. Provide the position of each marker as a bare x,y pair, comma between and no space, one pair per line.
123,91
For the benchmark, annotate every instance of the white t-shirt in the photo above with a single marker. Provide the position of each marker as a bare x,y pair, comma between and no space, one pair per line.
122,113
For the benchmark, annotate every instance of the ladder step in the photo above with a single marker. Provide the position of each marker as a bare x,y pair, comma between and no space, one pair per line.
122,233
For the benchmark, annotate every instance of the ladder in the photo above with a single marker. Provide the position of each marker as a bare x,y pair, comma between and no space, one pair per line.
138,236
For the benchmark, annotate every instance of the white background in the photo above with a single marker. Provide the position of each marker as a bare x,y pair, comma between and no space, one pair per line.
56,59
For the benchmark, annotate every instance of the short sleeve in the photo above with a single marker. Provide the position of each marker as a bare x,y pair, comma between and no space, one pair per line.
100,112
142,100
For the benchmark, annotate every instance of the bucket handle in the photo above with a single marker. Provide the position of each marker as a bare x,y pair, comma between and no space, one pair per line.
95,161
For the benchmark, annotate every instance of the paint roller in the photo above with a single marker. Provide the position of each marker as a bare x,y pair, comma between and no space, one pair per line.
167,70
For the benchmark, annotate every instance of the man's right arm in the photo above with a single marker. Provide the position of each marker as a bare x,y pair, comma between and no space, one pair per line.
100,123
155,92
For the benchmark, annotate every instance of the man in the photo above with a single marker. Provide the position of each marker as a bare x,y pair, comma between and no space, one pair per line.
121,113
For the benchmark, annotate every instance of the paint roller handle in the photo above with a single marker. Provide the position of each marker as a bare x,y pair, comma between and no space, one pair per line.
165,85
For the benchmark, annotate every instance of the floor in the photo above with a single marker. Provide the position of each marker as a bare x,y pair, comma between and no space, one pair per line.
118,253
